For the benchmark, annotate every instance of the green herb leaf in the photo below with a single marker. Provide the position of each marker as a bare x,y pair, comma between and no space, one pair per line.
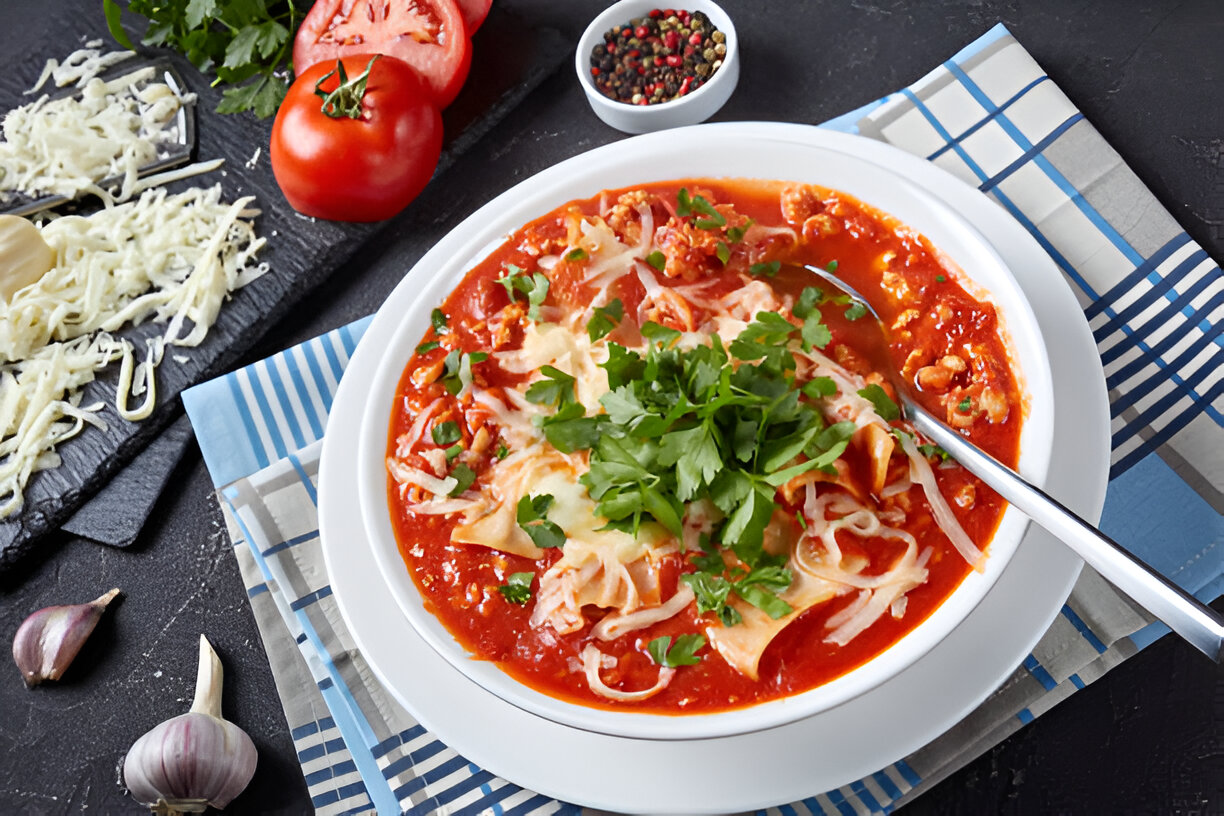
855,310
965,405
656,333
430,346
502,451
464,475
557,388
723,252
819,387
517,588
884,405
578,254
446,433
736,234
534,286
113,13
657,259
940,278
530,515
683,653
437,319
605,319
766,268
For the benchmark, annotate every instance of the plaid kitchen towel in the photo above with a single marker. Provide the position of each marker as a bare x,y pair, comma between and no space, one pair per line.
1153,298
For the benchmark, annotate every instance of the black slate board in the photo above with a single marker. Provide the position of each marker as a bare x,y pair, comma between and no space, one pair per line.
302,252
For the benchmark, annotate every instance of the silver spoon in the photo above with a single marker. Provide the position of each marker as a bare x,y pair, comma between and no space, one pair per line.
1196,622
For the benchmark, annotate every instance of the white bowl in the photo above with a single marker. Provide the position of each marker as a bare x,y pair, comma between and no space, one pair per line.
690,109
707,151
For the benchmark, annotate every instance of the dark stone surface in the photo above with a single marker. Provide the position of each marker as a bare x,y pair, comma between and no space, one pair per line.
1147,738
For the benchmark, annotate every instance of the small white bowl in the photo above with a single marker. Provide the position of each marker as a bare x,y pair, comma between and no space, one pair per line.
690,109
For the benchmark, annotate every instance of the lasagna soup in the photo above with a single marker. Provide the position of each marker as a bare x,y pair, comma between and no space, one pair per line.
642,459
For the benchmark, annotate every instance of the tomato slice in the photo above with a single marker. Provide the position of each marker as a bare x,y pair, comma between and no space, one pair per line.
429,35
474,13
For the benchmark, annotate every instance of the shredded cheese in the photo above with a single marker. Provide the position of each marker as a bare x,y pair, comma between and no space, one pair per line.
172,259
108,130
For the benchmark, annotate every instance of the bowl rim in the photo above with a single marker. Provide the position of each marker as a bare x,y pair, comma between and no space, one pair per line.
539,194
624,10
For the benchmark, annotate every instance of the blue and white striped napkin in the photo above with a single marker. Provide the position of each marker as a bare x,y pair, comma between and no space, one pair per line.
1153,298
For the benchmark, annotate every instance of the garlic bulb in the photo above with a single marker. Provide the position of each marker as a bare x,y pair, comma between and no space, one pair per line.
49,639
195,759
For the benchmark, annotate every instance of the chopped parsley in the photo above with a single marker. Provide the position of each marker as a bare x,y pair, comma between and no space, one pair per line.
940,278
430,346
557,388
605,319
457,369
502,451
723,252
855,310
688,205
578,254
657,259
766,268
453,451
446,433
464,475
883,404
517,588
437,319
531,515
736,234
534,286
682,653
965,405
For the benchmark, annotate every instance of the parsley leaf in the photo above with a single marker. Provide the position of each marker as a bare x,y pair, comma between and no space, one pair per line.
884,405
657,259
766,268
247,45
517,588
530,515
605,319
464,475
855,310
437,319
534,286
430,346
502,451
457,369
965,405
578,254
723,252
446,433
683,653
557,388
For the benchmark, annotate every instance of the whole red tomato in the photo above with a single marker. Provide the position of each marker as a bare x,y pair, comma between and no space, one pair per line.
363,153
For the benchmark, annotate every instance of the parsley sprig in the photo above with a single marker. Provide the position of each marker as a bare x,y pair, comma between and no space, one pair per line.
246,43
534,285
686,425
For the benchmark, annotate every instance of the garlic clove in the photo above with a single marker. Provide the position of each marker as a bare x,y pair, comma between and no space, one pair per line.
24,255
194,759
48,640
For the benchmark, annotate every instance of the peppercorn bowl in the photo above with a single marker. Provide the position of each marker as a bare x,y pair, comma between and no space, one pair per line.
645,68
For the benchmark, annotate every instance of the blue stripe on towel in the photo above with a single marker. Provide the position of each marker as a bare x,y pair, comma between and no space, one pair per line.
1145,270
1039,673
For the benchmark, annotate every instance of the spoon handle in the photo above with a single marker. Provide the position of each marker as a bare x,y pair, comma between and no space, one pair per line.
1196,622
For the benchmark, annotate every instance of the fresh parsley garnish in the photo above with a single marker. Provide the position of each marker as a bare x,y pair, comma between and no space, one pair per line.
736,234
723,252
430,346
657,259
682,653
766,268
464,475
534,286
446,433
437,319
247,45
502,451
883,404
517,588
940,278
688,205
531,515
855,310
965,405
578,254
605,319
457,369
557,388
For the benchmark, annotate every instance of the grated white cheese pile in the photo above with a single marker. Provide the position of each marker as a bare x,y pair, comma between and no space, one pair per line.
107,130
169,258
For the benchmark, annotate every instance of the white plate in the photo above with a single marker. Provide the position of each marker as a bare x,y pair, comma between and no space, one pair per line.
797,760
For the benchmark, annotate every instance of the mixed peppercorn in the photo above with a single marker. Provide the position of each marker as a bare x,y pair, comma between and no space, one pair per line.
663,56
